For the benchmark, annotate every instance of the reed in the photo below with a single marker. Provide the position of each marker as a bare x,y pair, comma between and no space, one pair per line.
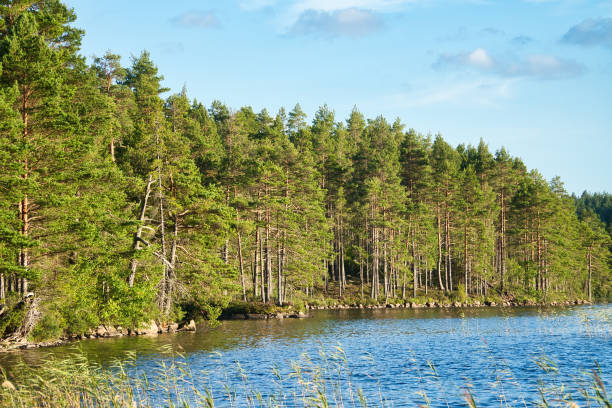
322,380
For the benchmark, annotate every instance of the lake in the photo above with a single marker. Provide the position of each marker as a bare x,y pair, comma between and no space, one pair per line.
396,357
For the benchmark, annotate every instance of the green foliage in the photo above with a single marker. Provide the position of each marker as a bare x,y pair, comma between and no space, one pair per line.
212,313
118,206
459,294
50,327
12,318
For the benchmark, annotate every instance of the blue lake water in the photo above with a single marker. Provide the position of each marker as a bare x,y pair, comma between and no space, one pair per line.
394,357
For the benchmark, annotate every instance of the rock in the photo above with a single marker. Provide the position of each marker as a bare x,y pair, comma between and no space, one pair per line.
456,304
477,303
173,327
256,316
191,326
101,331
148,330
302,314
112,332
360,306
280,316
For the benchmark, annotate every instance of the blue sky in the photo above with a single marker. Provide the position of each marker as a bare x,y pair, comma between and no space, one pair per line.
534,76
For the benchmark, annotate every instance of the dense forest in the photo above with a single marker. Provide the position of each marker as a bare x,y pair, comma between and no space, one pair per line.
119,204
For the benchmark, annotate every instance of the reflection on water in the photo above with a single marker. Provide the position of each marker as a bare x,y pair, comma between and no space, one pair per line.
486,348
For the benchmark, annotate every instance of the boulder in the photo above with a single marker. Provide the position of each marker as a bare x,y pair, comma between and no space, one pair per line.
111,331
150,329
256,316
173,327
191,326
100,331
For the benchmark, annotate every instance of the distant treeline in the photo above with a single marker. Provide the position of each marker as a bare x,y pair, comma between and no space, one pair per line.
117,206
599,203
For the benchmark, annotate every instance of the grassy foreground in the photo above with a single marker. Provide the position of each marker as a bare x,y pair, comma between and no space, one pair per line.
76,382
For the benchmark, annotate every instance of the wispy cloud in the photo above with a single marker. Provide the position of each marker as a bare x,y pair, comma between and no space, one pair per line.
483,92
197,19
522,40
536,66
492,31
590,32
351,22
327,5
337,17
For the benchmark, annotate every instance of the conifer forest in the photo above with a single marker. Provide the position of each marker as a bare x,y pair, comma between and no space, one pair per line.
122,201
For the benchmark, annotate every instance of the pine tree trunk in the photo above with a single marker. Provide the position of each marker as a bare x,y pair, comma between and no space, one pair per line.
268,257
112,148
241,262
414,268
361,276
465,250
279,276
138,235
590,274
439,222
24,207
171,268
256,262
448,260
503,239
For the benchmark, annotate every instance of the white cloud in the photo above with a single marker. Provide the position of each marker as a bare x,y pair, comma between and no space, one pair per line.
290,11
483,92
538,66
333,5
350,22
590,32
250,5
480,58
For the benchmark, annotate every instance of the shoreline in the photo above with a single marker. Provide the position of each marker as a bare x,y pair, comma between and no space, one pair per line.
153,329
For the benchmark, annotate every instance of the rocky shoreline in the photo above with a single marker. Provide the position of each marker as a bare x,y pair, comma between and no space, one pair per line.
105,331
154,329
474,304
